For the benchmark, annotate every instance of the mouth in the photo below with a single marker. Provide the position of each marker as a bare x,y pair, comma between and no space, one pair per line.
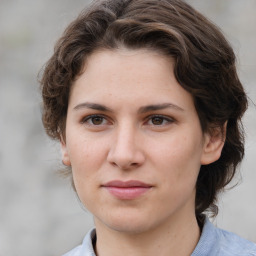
127,190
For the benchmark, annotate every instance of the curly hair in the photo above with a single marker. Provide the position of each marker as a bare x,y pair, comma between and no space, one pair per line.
205,66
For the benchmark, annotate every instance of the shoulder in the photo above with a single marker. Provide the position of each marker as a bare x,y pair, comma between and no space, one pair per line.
218,242
232,244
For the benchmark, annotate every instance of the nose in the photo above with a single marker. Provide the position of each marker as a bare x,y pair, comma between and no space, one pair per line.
125,151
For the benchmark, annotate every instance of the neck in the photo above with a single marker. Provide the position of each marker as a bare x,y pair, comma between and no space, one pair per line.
177,237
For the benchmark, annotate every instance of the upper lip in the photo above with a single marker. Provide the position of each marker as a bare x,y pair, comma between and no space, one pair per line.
126,184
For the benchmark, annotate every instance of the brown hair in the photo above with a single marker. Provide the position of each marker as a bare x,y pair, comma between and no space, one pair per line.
204,66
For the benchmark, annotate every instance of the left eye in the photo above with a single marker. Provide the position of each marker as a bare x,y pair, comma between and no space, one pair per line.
159,120
95,120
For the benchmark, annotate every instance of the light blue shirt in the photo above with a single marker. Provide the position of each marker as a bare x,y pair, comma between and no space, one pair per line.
213,242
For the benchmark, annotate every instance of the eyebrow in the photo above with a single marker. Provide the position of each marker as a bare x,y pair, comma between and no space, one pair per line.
141,110
149,108
94,106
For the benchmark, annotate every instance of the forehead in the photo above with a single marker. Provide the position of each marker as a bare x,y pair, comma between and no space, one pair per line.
129,76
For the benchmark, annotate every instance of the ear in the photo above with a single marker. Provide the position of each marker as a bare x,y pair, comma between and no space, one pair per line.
64,153
213,144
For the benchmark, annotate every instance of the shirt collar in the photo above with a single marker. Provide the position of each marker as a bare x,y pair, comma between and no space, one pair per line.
208,243
87,247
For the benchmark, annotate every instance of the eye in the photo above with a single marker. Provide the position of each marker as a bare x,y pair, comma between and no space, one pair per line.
95,120
158,120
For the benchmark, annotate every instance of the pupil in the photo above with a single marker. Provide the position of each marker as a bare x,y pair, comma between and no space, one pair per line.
157,120
97,120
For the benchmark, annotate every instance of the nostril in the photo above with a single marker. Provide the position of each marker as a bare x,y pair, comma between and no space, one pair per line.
125,155
124,164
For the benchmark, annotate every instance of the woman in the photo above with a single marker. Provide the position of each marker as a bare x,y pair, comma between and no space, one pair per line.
144,97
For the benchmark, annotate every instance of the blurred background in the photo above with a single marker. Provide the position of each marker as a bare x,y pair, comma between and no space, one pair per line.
40,214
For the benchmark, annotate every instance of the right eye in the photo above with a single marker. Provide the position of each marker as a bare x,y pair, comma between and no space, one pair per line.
95,120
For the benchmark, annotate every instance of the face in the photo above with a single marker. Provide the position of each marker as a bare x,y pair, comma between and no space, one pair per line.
134,141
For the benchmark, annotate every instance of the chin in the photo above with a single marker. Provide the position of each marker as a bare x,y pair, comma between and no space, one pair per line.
130,228
129,223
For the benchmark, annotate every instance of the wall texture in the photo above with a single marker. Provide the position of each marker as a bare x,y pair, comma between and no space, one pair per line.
40,214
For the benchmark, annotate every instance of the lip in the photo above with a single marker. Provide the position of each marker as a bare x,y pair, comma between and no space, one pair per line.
127,190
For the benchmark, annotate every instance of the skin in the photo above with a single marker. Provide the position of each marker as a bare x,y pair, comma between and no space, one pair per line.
162,146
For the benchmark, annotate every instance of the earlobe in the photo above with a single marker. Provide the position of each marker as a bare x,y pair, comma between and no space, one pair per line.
65,154
213,145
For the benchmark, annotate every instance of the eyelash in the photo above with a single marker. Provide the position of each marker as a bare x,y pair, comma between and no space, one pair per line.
165,119
88,120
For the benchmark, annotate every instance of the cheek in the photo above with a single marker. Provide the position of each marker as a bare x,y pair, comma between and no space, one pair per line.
177,147
178,158
86,159
85,152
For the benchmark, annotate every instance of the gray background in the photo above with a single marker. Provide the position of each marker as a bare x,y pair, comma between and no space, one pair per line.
40,214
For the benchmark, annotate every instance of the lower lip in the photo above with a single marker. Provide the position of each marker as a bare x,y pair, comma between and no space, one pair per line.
127,193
